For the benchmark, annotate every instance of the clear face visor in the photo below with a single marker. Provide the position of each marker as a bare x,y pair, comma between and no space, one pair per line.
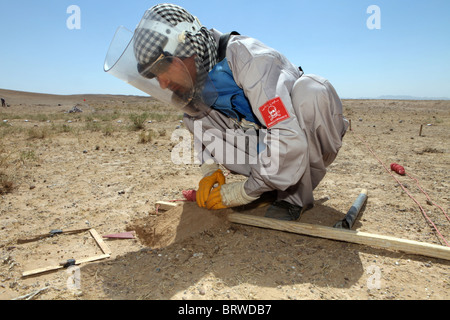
167,79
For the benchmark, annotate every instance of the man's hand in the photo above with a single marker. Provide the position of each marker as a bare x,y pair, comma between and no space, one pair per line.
205,186
214,201
228,195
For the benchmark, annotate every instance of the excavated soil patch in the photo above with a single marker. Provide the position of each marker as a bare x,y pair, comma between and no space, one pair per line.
175,225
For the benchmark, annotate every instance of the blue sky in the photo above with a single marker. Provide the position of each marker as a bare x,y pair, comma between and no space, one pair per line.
408,55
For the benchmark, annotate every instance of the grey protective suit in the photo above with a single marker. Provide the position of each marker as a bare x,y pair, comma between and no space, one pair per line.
304,143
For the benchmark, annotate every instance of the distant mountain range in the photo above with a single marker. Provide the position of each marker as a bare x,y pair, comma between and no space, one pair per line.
400,97
20,95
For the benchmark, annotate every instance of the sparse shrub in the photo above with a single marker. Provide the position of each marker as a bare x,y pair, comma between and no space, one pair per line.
93,126
28,156
146,137
138,120
7,185
38,133
162,132
41,117
108,130
6,181
66,128
61,128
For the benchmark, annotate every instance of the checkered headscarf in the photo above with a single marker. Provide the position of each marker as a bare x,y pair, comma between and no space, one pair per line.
148,44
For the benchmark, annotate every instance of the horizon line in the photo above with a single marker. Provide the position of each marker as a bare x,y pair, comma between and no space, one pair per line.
381,97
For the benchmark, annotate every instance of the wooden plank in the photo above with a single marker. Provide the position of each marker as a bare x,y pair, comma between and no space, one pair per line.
164,205
364,238
52,268
121,235
100,242
94,258
51,234
40,270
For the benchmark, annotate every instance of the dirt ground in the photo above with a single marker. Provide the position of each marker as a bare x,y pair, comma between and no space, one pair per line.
98,169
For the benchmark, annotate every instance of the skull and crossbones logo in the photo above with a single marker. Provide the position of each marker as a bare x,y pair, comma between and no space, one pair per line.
273,112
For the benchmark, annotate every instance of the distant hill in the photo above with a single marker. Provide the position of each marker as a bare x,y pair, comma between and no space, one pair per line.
398,97
14,97
23,97
393,97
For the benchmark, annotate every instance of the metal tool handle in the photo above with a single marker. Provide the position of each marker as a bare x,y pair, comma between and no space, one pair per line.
352,214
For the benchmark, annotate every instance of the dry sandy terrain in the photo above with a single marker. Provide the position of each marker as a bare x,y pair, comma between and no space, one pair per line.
95,169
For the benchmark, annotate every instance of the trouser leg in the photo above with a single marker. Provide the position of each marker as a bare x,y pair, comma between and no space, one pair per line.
316,102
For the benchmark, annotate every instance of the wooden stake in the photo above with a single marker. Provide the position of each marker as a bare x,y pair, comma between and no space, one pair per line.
52,268
420,132
385,242
100,241
165,205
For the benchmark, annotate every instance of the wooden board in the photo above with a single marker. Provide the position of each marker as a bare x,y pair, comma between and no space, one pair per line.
164,205
364,238
100,241
52,268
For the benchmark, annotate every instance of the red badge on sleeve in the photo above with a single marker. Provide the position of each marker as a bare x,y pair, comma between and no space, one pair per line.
273,112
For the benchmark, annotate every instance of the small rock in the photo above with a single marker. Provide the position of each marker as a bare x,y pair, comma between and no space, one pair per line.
78,293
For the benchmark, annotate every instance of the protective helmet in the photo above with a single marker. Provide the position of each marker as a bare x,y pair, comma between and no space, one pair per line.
171,45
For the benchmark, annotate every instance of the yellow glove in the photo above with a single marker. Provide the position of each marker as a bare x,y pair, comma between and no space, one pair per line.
205,186
229,195
214,201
